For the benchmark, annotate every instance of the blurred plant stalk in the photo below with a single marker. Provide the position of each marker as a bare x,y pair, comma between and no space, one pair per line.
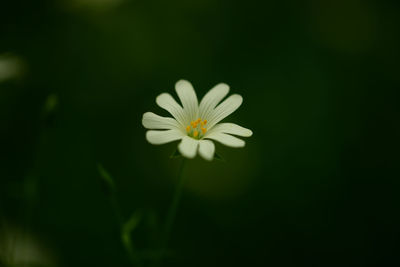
125,227
173,209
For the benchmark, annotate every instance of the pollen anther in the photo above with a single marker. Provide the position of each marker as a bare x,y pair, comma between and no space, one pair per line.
197,128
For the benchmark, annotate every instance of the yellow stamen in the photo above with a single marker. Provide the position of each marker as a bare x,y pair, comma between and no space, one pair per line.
198,120
195,133
188,128
205,122
203,130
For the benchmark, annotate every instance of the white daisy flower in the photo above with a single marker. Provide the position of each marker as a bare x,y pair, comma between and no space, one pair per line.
196,124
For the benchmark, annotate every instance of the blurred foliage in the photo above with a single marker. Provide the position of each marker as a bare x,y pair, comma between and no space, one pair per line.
316,185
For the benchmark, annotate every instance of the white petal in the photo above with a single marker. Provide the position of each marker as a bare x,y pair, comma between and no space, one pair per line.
163,137
154,121
212,98
224,109
167,102
188,147
226,139
206,149
230,128
188,98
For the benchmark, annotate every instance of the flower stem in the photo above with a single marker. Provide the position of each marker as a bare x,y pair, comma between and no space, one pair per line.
172,210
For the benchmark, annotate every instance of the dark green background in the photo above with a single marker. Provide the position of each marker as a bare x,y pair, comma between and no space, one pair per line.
316,185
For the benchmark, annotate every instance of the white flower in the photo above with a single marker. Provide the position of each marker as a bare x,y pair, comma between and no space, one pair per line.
194,124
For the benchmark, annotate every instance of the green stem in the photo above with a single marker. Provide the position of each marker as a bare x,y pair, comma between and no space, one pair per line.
126,242
173,210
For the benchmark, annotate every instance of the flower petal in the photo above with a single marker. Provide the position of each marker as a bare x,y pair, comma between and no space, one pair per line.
154,121
188,147
188,98
212,98
225,109
230,128
226,139
206,149
163,137
167,102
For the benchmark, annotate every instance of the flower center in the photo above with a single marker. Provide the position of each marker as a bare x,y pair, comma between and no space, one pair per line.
197,129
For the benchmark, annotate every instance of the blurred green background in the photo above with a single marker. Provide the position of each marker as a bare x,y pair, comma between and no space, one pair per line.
316,185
